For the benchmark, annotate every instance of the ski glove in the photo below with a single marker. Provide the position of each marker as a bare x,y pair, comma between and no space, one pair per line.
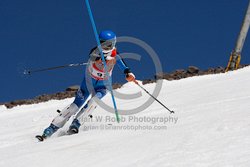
130,77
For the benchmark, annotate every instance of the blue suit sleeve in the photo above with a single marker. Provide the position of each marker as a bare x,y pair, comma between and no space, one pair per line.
122,65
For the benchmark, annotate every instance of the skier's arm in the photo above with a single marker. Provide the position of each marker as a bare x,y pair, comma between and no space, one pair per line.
126,70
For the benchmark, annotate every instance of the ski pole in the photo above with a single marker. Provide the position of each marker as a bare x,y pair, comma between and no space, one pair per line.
153,97
28,72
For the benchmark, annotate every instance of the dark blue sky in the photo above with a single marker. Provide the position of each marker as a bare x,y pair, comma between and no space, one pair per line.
44,33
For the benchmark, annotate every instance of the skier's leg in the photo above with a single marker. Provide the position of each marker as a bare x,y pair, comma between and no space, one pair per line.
66,113
85,111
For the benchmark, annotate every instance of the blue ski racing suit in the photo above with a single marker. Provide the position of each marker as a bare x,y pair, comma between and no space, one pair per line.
94,84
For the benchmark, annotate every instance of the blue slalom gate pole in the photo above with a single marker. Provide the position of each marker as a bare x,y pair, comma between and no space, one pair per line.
103,59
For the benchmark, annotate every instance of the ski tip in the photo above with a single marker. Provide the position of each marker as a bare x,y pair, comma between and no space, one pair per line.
40,138
72,131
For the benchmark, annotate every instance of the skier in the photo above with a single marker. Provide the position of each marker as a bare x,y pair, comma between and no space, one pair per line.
93,85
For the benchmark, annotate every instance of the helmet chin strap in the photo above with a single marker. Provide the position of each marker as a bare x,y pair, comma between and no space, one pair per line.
109,58
107,51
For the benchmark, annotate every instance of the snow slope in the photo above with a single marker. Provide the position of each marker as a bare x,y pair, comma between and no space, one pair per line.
211,127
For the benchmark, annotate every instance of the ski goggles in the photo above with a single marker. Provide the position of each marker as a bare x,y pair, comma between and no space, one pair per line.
108,45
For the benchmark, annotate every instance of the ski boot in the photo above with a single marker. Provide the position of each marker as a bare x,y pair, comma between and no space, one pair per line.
47,132
74,127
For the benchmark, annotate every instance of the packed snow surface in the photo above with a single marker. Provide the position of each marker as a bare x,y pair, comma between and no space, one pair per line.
210,127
